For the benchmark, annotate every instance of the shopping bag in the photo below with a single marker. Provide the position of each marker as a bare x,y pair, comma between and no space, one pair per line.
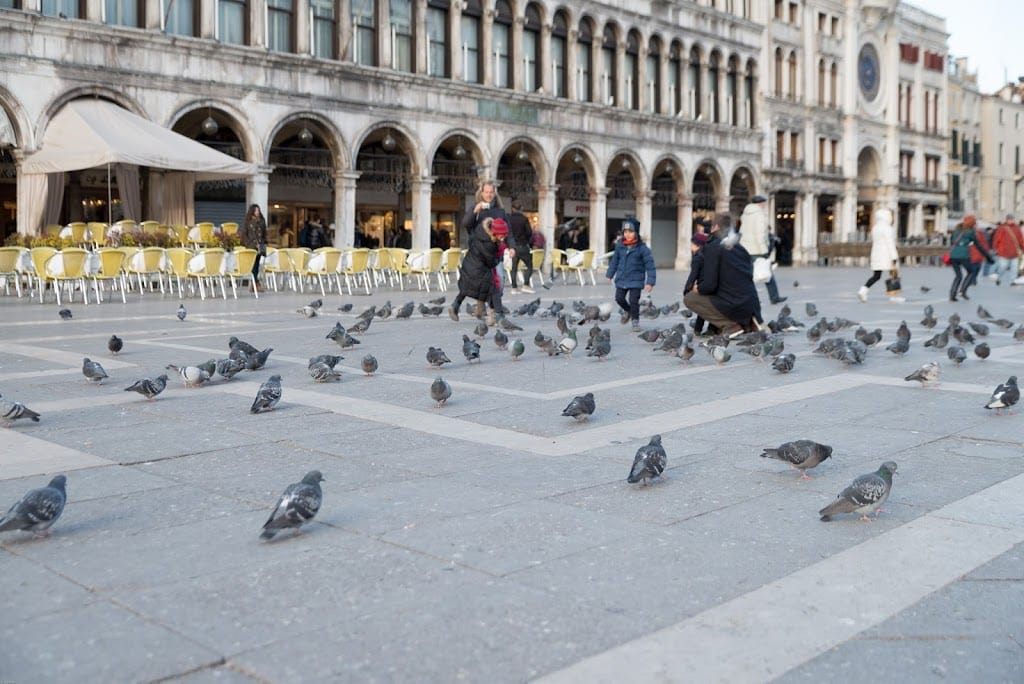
762,270
893,286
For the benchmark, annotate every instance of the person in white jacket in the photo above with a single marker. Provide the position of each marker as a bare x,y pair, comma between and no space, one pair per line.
884,256
755,237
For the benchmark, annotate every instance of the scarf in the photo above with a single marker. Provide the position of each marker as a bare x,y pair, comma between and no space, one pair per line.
629,243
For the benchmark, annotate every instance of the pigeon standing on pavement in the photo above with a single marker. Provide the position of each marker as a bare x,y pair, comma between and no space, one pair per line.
864,496
229,368
330,359
268,395
440,392
982,351
811,309
470,349
182,312
93,371
297,505
11,411
360,326
115,344
38,510
436,357
191,376
500,340
406,310
346,307
581,407
517,349
784,363
649,462
65,314
1005,395
802,454
369,364
321,372
926,374
148,387
258,360
308,311
956,354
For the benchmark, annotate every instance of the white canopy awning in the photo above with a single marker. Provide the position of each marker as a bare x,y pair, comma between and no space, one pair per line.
89,133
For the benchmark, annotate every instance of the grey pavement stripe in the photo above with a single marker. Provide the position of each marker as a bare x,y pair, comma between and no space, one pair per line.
22,455
771,630
62,357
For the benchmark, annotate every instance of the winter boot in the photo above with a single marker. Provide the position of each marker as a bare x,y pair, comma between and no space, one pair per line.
862,293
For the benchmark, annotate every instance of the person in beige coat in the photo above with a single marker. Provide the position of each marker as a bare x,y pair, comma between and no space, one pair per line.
884,255
756,238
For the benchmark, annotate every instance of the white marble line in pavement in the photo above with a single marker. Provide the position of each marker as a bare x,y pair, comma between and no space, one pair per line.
22,455
58,356
769,631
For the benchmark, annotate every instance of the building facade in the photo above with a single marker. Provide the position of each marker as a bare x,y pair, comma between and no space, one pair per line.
965,136
385,115
1002,136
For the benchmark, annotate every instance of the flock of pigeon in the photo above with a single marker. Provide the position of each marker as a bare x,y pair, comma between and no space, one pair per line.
40,508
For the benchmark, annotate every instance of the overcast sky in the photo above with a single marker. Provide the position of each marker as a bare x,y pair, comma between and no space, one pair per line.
987,32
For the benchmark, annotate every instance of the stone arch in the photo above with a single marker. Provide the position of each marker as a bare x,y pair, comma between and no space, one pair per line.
225,114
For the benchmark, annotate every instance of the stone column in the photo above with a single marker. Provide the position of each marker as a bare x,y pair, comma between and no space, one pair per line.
207,18
684,231
421,189
516,50
487,47
455,50
302,19
643,213
663,62
257,23
846,220
345,37
345,208
419,31
257,189
805,237
642,96
620,75
546,197
702,91
598,219
722,205
153,14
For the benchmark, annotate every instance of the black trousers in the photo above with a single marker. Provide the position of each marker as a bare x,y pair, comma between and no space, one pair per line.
632,304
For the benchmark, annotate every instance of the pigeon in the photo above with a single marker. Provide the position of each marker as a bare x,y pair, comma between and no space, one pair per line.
1004,396
115,344
983,313
926,374
256,361
11,411
316,304
38,510
925,289
437,300
601,346
650,336
865,495
384,311
192,376
648,463
982,350
1018,334
341,336
65,314
903,332
784,363
796,283
938,341
229,368
672,342
436,357
93,371
900,347
440,392
719,353
360,326
329,359
321,372
298,504
802,454
481,330
811,309
501,340
268,395
148,387
580,408
406,310
241,345
506,324
980,328
957,355
567,344
1003,323
182,312
369,364
517,349
470,349
308,311
209,366
367,314
430,310
346,307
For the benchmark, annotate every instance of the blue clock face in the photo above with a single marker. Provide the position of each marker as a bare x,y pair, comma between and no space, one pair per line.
867,71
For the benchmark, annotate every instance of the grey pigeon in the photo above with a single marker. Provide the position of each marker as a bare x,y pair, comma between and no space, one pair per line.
321,372
65,314
926,374
956,354
436,357
900,347
191,376
501,340
38,510
182,312
903,332
672,342
268,395
470,349
481,330
517,349
506,324
1018,334
115,344
406,310
567,345
209,366
308,311
939,341
437,300
229,368
1005,395
802,454
686,352
316,304
384,311
864,496
648,463
983,313
979,328
812,310
241,345
719,353
93,371
1003,323
367,314
650,336
329,359
601,346
982,350
369,364
11,411
361,326
440,392
344,340
346,307
784,363
297,505
148,387
580,408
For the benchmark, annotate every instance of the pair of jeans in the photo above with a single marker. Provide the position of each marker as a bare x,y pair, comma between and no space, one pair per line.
962,274
527,261
632,304
1004,265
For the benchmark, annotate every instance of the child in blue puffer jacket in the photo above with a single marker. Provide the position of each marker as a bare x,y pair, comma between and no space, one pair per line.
632,269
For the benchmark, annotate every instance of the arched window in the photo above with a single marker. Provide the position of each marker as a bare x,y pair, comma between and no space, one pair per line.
403,46
531,50
792,76
675,76
609,74
232,24
559,55
471,20
437,39
693,85
632,68
653,75
501,44
364,33
713,94
778,72
584,61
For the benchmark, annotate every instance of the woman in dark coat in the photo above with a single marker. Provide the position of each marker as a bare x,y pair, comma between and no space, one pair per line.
476,273
254,236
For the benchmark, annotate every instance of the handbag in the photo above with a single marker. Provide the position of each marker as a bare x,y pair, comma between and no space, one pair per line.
762,270
893,286
946,259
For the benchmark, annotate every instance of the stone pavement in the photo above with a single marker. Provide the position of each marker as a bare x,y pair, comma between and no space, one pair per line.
494,540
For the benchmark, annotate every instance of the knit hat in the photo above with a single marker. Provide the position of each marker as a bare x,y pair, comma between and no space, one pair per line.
758,199
699,238
499,228
631,224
